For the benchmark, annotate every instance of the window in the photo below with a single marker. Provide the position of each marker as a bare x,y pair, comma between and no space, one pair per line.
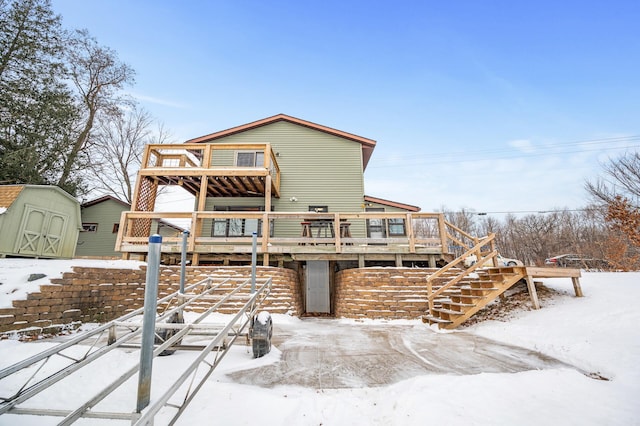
116,228
89,227
396,227
376,228
238,227
250,159
319,209
381,228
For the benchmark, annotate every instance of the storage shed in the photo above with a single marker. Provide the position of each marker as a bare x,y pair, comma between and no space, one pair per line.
38,221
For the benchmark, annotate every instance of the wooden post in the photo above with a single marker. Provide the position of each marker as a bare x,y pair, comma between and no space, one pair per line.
266,232
532,291
410,235
493,248
443,233
576,286
206,156
336,232
202,194
265,222
267,156
145,157
267,193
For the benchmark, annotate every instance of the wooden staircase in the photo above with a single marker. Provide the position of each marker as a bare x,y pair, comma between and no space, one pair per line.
456,292
469,295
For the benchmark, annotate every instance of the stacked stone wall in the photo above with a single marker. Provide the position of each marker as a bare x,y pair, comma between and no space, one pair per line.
382,293
101,294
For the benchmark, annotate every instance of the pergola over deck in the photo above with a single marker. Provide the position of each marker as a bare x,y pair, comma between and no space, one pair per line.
198,166
204,170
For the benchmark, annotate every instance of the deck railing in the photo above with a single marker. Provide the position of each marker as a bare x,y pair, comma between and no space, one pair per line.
298,232
461,269
196,159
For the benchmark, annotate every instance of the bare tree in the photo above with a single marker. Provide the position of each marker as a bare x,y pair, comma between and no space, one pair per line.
117,149
619,192
98,78
622,179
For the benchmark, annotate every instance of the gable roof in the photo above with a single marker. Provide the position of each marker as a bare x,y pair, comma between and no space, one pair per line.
367,144
103,199
389,203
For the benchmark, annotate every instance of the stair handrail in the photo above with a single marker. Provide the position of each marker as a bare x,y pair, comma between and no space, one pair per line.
465,272
463,233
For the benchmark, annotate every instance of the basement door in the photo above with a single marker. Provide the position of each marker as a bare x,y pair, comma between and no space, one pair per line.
317,287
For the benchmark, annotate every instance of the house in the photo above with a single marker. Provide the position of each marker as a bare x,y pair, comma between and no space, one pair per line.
299,187
297,184
100,224
38,221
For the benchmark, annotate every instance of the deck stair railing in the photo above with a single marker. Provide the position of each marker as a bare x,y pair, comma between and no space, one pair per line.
457,291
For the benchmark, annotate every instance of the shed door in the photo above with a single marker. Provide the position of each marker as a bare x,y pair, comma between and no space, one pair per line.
317,292
42,232
53,234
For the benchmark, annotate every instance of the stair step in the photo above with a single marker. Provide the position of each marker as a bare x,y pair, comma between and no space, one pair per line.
432,319
452,303
491,277
481,284
483,291
465,296
447,311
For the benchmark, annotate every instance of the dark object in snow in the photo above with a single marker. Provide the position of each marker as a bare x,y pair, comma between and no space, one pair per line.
34,277
164,334
260,332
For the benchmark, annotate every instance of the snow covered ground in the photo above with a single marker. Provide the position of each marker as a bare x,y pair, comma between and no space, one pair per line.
597,333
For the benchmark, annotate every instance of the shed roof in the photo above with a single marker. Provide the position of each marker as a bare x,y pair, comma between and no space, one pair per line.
9,193
389,203
367,144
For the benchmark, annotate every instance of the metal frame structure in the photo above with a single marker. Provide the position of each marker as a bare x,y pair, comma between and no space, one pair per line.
126,332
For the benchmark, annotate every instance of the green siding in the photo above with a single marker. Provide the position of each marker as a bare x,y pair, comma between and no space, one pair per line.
50,200
315,167
102,242
224,158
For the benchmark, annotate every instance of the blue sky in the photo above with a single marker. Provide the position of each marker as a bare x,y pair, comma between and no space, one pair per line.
487,105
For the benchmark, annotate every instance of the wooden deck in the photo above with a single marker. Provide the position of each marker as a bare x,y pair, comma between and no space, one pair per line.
426,237
532,272
197,168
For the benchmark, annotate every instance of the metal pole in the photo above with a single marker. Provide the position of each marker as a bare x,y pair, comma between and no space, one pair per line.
183,260
149,322
254,257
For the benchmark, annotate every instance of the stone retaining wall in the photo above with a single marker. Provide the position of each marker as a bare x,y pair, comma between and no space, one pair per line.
100,294
382,293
